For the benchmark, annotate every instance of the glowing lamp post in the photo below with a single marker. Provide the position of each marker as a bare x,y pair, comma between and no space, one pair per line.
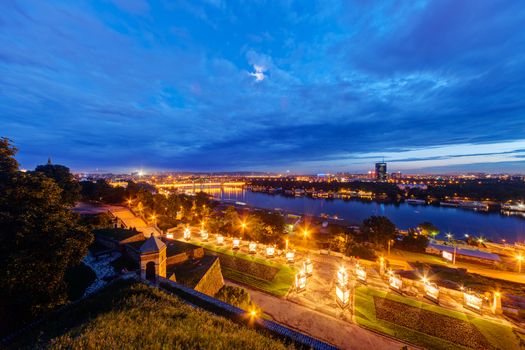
395,282
342,291
290,255
472,301
270,251
236,243
343,295
187,234
381,266
342,276
496,304
360,273
300,281
431,291
308,267
252,247
519,259
220,240
204,235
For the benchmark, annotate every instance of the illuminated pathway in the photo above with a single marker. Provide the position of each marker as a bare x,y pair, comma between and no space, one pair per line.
340,333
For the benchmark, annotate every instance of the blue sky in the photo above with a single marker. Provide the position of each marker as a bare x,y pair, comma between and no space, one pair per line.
309,86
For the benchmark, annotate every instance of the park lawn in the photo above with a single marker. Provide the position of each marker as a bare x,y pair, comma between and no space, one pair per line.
499,335
131,315
365,316
278,286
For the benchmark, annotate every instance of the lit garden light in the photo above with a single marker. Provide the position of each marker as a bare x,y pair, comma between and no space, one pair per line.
204,235
308,267
431,290
169,235
187,233
236,243
342,294
290,256
395,282
252,247
360,273
270,251
300,281
220,240
342,276
472,301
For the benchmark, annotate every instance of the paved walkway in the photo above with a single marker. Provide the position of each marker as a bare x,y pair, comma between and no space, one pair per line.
330,329
130,220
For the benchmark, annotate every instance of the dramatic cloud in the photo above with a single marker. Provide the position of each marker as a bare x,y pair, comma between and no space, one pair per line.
317,86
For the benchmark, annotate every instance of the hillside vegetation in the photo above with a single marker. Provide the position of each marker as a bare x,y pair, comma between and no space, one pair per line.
131,315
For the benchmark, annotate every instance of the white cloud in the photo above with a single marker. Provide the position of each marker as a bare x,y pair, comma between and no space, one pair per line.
259,72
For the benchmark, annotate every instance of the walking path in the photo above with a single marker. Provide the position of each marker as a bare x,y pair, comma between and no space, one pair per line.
335,331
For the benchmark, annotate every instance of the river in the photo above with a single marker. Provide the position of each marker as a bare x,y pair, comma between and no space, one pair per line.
459,222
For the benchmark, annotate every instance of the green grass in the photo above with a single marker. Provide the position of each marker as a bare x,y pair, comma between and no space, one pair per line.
131,315
278,286
499,335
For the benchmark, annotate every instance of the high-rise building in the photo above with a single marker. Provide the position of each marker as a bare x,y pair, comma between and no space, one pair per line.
381,171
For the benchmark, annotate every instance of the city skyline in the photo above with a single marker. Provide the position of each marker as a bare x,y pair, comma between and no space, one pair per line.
431,87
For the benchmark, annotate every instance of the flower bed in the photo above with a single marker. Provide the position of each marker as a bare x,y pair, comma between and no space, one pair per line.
431,323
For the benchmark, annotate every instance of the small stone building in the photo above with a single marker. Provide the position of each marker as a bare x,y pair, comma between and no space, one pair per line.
152,258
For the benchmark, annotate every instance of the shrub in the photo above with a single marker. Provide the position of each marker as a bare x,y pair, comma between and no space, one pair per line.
235,296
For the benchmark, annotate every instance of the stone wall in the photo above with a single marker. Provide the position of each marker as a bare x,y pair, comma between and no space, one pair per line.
177,259
212,280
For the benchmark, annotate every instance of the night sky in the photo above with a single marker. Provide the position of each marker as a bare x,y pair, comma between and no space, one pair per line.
431,86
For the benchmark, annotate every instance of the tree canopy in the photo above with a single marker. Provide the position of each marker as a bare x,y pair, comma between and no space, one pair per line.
40,239
378,230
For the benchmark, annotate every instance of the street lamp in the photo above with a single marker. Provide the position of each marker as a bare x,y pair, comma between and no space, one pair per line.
187,233
243,227
390,241
449,236
220,239
154,218
519,258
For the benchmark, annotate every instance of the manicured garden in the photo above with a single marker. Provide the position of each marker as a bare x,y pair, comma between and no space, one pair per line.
254,271
429,325
131,315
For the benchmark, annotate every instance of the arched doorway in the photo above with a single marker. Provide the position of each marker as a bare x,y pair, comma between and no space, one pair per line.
150,271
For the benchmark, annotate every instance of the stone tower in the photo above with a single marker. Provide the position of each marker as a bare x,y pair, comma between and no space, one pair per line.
153,253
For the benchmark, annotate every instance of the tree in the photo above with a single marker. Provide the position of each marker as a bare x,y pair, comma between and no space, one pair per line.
413,241
428,229
8,163
64,179
40,239
378,230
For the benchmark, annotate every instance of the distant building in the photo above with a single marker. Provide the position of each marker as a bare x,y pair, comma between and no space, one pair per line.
381,171
396,175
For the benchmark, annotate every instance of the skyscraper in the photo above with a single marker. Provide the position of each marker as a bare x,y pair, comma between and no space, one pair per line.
381,171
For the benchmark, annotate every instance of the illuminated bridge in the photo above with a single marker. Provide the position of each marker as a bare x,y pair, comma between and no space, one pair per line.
201,184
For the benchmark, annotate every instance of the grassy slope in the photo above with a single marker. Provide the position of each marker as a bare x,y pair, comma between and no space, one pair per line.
501,336
280,284
130,315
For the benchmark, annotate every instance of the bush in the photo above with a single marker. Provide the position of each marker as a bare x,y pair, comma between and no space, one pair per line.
235,296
